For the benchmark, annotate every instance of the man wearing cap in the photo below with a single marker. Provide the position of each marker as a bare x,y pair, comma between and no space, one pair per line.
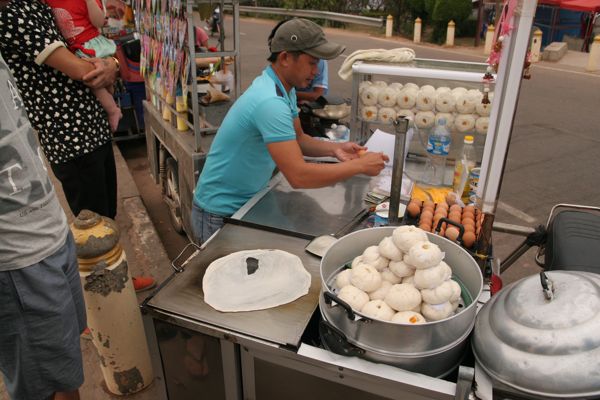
262,131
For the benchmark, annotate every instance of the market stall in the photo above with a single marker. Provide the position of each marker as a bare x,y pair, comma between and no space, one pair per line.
322,343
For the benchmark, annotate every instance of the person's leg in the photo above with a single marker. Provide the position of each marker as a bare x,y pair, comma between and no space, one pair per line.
110,106
89,182
204,224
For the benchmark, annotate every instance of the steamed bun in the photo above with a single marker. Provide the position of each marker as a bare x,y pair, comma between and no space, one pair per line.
406,235
379,294
436,312
408,317
343,278
388,249
365,277
430,278
377,309
403,297
355,297
424,255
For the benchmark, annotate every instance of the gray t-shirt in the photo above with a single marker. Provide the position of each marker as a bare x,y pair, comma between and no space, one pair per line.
32,223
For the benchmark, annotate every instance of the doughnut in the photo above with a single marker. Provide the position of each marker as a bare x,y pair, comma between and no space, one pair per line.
368,113
446,116
464,122
458,91
369,95
465,104
363,85
445,102
424,119
475,94
365,277
355,297
404,113
396,85
407,98
424,255
428,88
377,309
481,125
387,97
443,89
426,100
403,297
380,84
411,85
387,115
408,317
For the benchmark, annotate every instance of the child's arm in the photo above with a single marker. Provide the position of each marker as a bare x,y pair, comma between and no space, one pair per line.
95,12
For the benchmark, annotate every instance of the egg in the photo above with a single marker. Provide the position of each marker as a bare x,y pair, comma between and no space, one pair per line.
452,233
469,239
467,220
427,213
454,216
425,226
442,206
470,208
441,212
455,207
413,209
468,226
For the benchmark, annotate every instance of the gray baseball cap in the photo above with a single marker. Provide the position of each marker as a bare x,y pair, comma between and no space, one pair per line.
299,34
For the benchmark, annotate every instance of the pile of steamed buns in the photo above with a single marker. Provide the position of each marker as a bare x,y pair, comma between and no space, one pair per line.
402,280
462,109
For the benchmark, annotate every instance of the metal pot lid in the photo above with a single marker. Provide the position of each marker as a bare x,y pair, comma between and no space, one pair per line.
543,340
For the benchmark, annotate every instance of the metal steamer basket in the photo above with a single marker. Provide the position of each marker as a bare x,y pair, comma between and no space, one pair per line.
433,348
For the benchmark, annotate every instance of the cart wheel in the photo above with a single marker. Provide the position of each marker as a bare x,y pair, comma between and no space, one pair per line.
172,195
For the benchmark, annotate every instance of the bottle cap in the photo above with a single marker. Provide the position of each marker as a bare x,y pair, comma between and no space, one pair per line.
469,139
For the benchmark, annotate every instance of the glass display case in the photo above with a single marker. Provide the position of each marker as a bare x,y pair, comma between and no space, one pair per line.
426,92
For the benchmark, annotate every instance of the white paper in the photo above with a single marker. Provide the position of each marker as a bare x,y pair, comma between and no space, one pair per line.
384,142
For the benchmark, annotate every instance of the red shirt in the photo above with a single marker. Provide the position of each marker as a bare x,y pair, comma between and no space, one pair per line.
74,22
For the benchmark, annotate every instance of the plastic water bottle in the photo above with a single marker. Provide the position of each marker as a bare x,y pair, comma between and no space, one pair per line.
438,147
463,167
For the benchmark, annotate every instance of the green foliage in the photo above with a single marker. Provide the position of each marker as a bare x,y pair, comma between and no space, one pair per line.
456,10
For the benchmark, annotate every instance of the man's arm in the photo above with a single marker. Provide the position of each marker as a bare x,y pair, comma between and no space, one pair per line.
321,148
300,174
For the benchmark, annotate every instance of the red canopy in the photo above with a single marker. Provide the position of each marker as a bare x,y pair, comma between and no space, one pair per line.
581,5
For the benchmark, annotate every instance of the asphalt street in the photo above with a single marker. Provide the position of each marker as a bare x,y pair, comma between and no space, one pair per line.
554,154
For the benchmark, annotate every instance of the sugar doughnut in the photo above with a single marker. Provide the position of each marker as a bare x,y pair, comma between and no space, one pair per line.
368,113
464,122
465,104
481,125
380,84
443,89
424,255
377,309
343,278
408,114
388,275
403,297
449,118
396,85
445,102
458,91
355,297
363,85
365,277
411,85
379,294
436,312
388,249
387,115
369,95
475,94
424,119
387,97
408,317
428,88
426,100
406,235
407,98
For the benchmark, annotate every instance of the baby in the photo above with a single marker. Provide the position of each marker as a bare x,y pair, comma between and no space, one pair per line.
79,22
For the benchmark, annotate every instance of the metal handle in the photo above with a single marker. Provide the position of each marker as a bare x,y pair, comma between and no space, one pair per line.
330,297
340,344
181,268
547,286
461,228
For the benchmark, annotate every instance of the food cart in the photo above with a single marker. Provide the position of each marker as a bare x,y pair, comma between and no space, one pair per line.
287,351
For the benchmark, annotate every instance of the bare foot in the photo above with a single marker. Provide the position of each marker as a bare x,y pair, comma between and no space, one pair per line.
113,119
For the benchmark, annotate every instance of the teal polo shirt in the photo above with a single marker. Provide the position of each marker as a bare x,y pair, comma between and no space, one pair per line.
238,164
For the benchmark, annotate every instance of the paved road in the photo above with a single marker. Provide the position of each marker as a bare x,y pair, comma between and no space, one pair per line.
555,148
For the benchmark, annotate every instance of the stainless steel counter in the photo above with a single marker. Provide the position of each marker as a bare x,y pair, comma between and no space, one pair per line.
281,325
305,212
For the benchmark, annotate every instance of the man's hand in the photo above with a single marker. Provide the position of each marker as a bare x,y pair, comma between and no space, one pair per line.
104,73
372,163
348,151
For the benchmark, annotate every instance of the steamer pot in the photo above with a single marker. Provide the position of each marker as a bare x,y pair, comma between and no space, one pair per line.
433,348
539,336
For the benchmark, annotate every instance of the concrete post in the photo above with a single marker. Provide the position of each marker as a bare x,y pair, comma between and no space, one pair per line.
593,61
450,34
113,315
417,31
489,39
389,25
536,46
